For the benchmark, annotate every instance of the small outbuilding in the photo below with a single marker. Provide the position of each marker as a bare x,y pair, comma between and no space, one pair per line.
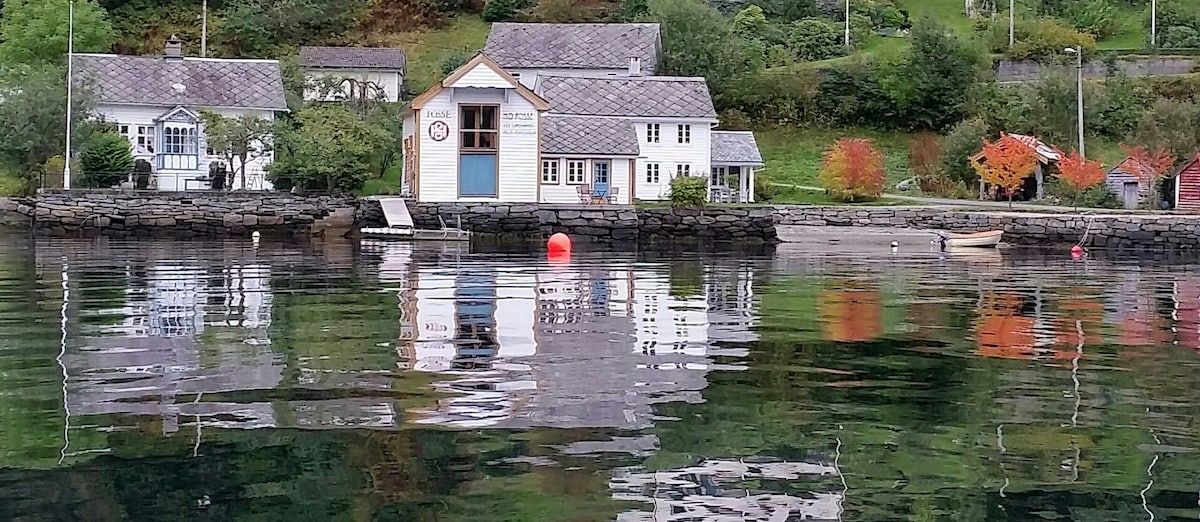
1187,186
1122,180
369,72
1035,185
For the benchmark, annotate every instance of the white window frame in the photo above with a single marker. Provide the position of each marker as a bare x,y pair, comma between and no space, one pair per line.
653,133
685,133
683,170
144,140
576,172
550,172
653,173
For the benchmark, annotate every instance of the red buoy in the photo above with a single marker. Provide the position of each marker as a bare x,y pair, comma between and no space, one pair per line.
1076,251
559,243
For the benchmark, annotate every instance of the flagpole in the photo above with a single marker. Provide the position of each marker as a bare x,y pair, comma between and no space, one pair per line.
70,80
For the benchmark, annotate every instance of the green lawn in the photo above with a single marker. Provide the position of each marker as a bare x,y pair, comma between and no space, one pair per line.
388,184
793,156
949,12
799,196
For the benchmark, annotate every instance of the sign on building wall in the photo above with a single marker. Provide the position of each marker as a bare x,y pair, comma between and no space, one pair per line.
513,123
439,131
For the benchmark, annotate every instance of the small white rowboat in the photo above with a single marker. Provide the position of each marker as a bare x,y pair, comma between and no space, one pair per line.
987,239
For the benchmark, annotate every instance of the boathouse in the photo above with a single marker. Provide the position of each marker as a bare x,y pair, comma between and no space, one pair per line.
1187,186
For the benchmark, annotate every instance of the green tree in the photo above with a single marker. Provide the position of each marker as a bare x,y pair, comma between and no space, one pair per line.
963,141
502,10
36,30
32,119
266,27
749,22
699,41
329,148
1170,125
938,68
815,39
633,9
106,160
455,59
239,140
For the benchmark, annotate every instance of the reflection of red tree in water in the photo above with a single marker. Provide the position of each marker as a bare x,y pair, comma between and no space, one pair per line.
851,315
1000,331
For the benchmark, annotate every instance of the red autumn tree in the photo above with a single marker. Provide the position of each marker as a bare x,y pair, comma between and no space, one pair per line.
1078,173
853,170
1006,163
1148,166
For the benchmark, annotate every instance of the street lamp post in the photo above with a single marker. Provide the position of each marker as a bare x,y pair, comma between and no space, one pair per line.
1153,23
204,29
70,80
1078,52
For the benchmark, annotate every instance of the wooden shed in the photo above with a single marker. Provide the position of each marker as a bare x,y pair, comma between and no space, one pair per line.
1122,181
1187,186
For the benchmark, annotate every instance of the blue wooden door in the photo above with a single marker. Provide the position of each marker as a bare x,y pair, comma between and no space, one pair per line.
600,178
477,175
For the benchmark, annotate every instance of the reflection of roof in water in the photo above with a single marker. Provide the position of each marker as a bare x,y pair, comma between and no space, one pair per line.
715,490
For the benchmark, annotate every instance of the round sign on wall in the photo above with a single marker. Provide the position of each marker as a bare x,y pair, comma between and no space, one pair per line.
439,131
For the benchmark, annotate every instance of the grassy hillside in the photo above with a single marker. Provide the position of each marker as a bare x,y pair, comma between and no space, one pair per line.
427,48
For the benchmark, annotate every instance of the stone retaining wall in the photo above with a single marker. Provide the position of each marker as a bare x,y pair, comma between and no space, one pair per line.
1031,70
209,213
182,213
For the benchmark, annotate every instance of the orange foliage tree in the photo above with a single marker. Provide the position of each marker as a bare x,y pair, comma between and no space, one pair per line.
853,170
1078,173
1006,163
1149,166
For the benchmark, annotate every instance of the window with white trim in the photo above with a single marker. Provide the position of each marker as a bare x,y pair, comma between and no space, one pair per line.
683,169
652,132
180,140
685,134
550,172
144,140
652,173
576,172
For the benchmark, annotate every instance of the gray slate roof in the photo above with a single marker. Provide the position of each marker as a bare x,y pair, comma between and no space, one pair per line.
578,135
150,80
735,147
353,57
573,46
645,96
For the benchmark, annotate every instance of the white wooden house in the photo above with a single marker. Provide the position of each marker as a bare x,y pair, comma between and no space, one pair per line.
156,102
355,71
529,51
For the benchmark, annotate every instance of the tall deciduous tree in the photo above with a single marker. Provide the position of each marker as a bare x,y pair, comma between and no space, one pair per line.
1170,125
699,41
1006,163
331,148
33,115
853,170
939,68
1078,173
239,140
33,31
260,27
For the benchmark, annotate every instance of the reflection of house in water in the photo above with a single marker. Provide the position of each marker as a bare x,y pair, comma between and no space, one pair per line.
581,345
717,490
732,310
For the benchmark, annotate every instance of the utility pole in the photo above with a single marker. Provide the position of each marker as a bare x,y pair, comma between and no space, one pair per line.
847,26
1012,23
70,80
204,29
1078,52
1153,23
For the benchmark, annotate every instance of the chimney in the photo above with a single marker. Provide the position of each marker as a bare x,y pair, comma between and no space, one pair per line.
635,66
174,50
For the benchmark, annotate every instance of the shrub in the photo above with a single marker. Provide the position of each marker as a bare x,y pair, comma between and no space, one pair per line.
502,10
106,160
689,191
451,62
963,141
815,39
1040,39
765,189
1180,37
924,155
853,170
11,184
1095,17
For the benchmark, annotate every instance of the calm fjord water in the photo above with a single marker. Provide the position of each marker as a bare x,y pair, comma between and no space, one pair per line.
160,380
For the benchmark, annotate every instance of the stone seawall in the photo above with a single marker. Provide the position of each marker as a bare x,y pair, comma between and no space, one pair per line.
216,214
183,213
759,223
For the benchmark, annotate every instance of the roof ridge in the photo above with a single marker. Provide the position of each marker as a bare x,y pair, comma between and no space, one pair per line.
663,78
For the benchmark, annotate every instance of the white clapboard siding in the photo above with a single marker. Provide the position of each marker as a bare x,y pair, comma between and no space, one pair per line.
562,192
389,81
669,153
482,76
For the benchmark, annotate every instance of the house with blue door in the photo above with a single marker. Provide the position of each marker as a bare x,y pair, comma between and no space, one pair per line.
156,102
